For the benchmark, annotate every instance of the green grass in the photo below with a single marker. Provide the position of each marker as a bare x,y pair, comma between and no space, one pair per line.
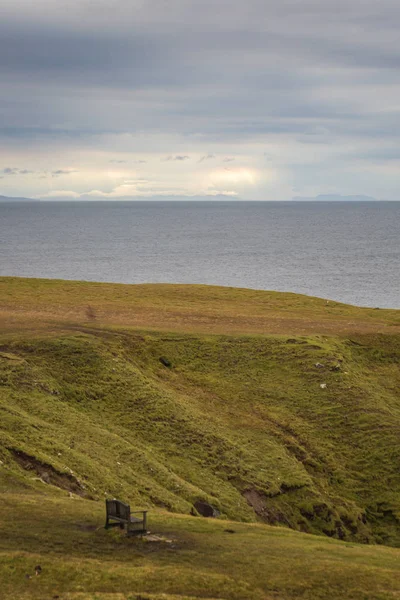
200,558
238,419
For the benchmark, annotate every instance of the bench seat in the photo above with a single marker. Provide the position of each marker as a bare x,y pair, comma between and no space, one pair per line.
135,520
121,514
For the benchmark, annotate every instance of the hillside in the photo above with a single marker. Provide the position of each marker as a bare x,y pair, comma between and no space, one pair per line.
165,395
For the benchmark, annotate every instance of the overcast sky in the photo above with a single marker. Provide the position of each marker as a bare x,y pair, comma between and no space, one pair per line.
261,99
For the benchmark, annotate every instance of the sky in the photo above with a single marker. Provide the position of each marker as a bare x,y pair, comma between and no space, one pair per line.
260,100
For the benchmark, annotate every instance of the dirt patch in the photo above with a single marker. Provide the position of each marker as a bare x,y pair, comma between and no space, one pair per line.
11,357
259,503
256,501
86,527
49,474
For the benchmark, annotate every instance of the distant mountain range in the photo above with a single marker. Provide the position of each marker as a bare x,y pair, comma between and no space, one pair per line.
334,198
319,198
12,199
85,198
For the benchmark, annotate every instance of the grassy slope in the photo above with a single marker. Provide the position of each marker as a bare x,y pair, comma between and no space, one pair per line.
81,561
234,416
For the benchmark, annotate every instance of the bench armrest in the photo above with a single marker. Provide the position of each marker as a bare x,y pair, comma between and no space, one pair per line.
138,511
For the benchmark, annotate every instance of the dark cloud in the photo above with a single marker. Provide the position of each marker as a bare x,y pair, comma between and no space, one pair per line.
42,174
178,157
60,172
379,155
15,171
206,157
228,73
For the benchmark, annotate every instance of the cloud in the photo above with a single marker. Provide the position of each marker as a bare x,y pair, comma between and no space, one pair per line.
178,158
229,193
313,83
117,162
239,176
60,172
41,174
60,194
15,171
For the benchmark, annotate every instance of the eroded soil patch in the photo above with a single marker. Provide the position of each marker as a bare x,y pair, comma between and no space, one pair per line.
49,474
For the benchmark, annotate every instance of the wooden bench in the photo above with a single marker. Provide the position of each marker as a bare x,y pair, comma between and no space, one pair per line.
121,513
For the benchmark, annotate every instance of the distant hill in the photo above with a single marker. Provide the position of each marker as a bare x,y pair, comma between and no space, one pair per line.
13,199
219,197
87,198
334,198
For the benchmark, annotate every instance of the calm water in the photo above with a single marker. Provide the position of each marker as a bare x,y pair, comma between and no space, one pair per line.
343,251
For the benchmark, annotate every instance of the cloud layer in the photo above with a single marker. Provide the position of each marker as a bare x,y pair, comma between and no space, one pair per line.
297,98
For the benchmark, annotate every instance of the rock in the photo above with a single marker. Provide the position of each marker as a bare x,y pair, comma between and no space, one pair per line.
336,367
319,365
151,537
165,362
38,570
45,477
322,386
205,509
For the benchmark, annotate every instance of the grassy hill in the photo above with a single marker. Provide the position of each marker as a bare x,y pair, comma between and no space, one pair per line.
277,409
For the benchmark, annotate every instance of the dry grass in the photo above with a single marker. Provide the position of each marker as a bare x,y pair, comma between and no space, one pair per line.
35,303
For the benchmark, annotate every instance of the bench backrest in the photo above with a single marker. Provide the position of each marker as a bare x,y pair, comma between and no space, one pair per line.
118,509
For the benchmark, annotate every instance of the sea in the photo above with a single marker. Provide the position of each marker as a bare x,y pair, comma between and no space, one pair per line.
344,251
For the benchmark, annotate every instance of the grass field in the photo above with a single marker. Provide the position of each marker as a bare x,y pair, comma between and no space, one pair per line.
192,558
163,395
